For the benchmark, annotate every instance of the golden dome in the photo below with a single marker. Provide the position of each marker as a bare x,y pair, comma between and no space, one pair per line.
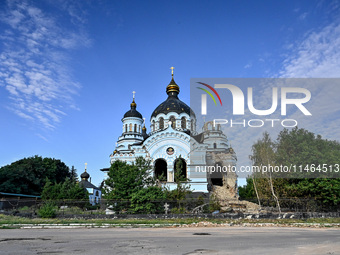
172,87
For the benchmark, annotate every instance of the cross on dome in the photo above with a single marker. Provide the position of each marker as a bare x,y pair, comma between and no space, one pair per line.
172,70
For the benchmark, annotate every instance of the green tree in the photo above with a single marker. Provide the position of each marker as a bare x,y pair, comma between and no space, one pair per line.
182,187
124,180
298,147
29,175
148,200
65,190
179,170
182,190
73,174
264,155
247,191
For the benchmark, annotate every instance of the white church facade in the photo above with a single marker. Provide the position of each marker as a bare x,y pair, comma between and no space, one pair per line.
172,137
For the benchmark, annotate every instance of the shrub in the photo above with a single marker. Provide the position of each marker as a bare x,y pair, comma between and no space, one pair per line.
178,210
148,200
214,204
48,210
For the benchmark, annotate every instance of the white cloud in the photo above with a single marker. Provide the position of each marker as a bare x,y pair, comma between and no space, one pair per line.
247,66
303,16
318,55
33,63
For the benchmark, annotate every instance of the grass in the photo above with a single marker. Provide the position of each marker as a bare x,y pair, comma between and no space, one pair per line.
6,220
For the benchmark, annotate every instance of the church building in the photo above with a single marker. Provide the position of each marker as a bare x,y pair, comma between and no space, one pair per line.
173,137
94,192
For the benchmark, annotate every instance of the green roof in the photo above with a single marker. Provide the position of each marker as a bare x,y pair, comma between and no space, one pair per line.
18,195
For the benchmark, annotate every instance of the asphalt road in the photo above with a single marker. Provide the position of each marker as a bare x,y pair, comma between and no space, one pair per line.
220,240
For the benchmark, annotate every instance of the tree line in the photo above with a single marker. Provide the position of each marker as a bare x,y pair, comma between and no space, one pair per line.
38,176
137,189
316,174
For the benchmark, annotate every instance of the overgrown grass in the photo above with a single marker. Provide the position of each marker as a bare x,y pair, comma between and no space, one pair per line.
10,220
25,209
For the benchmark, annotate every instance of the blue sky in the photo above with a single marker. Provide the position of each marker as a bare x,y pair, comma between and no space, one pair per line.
68,68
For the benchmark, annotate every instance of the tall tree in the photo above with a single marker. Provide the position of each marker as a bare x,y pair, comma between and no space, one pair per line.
311,154
124,179
133,188
182,187
73,174
314,155
29,175
264,155
64,190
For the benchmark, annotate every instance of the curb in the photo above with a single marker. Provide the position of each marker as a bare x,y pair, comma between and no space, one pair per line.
193,225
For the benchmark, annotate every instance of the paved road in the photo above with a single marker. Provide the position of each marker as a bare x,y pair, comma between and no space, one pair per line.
188,241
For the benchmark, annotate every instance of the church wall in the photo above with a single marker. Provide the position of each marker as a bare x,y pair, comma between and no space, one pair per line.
159,144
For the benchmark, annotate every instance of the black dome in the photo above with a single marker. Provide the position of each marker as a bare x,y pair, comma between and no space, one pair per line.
172,104
133,112
84,175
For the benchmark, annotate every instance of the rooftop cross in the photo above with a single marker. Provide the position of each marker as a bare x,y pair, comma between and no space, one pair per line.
172,70
133,94
85,166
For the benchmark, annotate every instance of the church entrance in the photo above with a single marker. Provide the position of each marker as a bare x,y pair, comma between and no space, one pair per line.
161,170
180,167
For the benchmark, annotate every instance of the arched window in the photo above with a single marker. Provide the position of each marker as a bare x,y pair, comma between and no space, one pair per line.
125,128
161,170
161,123
130,127
153,127
215,146
180,169
173,122
135,129
183,123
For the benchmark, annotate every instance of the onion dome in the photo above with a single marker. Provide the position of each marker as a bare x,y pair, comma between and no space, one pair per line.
172,103
133,112
84,176
172,88
144,134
